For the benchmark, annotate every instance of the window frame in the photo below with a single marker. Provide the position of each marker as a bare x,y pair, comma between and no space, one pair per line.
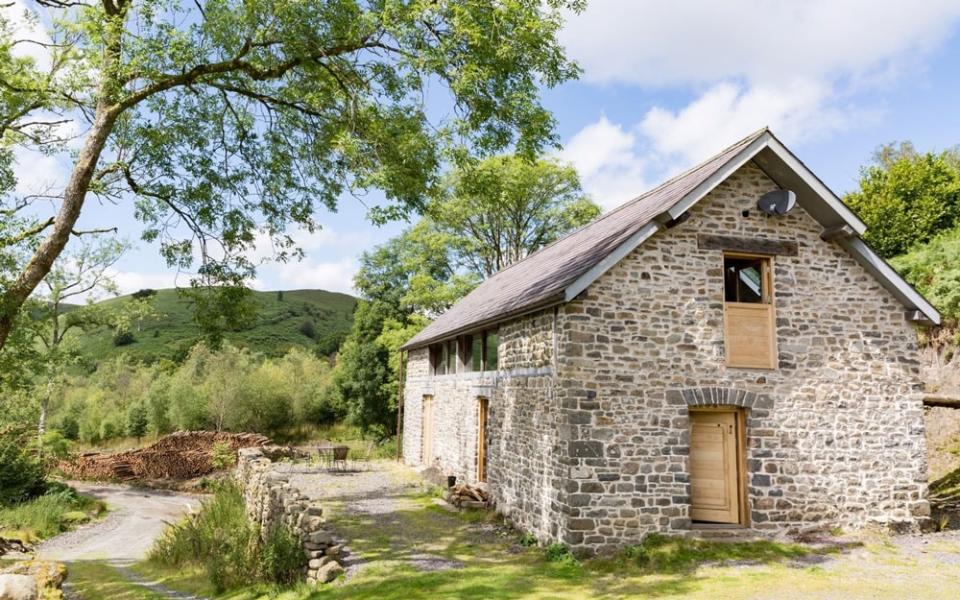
763,312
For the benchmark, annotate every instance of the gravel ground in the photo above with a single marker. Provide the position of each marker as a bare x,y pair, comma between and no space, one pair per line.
136,518
378,489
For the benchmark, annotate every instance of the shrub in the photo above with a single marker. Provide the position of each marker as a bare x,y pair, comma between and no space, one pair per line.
557,552
52,513
123,338
308,329
222,542
21,474
222,456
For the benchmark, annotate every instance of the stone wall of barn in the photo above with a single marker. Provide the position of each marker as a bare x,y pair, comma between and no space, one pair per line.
834,434
524,459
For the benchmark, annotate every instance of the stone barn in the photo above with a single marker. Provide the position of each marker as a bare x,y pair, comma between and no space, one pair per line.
724,351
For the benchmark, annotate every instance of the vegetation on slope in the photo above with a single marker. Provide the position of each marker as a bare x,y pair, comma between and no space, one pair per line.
314,319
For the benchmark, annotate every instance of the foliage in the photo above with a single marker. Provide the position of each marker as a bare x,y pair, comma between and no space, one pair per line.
231,389
502,209
170,332
494,213
21,474
226,121
934,269
49,514
123,338
907,198
559,553
222,541
222,456
362,378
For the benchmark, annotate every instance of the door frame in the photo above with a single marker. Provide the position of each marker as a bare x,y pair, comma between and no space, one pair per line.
740,419
483,417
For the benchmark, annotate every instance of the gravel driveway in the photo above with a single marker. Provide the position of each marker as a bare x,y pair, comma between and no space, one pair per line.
137,517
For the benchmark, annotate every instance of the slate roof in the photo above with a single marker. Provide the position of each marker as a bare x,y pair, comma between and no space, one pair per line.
540,279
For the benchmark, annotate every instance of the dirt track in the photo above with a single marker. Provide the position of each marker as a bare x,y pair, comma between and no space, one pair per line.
137,517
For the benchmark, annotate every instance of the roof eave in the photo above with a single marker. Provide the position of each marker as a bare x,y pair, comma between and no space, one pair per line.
554,300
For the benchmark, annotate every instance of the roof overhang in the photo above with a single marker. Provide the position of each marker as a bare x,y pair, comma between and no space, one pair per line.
787,171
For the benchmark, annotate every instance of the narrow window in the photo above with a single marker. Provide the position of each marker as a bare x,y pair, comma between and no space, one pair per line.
436,360
452,357
490,351
476,352
749,324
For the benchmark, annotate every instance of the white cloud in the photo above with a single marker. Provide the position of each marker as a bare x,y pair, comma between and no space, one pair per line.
702,41
800,68
131,281
28,33
333,276
603,154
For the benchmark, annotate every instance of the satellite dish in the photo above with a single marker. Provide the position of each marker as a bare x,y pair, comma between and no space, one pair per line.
777,202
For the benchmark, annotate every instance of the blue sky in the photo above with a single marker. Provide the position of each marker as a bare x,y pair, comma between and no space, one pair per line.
666,84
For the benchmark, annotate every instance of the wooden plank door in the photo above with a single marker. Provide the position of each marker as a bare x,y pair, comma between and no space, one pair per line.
714,489
426,432
482,407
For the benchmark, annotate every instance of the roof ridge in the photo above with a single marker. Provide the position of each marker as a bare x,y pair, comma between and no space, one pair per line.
750,138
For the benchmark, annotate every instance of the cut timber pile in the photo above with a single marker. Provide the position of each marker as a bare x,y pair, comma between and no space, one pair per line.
180,455
465,496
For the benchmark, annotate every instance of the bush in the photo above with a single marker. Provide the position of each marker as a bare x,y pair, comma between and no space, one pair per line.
222,542
560,553
308,329
123,338
52,513
222,456
21,474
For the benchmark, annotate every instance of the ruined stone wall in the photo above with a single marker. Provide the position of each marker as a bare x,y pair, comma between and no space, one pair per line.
523,459
834,433
272,502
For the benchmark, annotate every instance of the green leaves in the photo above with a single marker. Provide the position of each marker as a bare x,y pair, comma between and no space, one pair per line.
907,198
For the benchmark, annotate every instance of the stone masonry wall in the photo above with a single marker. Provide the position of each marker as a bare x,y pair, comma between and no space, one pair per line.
834,434
523,458
272,502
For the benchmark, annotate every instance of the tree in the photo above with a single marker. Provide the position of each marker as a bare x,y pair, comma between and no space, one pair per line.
363,378
907,198
491,215
506,207
137,420
222,119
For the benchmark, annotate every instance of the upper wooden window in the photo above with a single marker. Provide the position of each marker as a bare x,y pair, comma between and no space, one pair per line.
748,311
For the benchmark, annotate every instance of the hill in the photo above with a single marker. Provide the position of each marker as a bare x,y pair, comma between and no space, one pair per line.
285,319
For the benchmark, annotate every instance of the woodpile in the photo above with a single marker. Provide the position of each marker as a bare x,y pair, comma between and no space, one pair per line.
466,496
180,455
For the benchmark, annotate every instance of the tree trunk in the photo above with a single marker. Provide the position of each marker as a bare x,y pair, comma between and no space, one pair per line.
74,194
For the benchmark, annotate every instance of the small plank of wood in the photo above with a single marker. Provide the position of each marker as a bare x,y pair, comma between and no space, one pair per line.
941,401
749,245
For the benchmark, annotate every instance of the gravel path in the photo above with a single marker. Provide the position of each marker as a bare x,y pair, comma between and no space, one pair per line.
378,491
136,518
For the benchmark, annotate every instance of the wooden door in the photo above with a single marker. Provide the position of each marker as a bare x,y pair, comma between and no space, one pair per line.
426,432
482,407
714,485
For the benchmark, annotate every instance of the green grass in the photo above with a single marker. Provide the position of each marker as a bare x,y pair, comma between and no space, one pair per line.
96,580
496,563
275,331
45,516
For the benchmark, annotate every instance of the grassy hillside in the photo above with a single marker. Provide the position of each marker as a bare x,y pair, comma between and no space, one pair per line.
279,325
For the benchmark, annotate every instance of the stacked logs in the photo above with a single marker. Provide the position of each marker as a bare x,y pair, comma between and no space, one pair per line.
466,496
180,455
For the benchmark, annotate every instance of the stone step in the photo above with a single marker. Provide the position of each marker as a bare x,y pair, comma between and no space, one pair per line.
724,534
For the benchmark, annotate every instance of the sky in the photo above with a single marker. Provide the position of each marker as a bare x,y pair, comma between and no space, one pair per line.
667,84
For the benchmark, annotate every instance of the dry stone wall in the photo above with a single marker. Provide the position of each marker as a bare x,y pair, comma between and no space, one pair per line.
272,502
